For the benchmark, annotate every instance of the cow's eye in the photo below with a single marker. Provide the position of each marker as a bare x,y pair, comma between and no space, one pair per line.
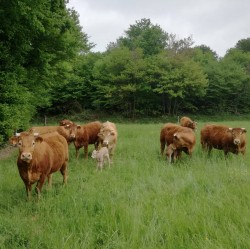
20,143
33,143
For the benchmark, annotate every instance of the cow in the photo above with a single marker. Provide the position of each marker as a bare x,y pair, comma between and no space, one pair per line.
182,141
83,135
108,136
187,122
101,156
223,138
167,134
65,122
40,156
46,129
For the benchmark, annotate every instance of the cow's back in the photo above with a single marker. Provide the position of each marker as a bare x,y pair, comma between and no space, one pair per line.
92,129
168,130
59,147
43,129
215,136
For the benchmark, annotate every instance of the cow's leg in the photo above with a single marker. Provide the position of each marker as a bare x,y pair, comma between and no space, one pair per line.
162,147
49,180
64,172
86,151
40,185
108,160
28,190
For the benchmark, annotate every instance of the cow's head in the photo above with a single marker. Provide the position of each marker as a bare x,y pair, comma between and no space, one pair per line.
65,122
26,143
106,136
73,128
94,153
192,125
237,134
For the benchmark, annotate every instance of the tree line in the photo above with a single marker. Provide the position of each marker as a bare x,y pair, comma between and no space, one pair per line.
47,67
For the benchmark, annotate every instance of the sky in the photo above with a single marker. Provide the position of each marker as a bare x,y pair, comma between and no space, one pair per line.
218,24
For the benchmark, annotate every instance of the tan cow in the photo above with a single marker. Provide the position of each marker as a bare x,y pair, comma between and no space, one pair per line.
83,135
46,129
167,134
187,122
223,138
108,136
182,141
39,157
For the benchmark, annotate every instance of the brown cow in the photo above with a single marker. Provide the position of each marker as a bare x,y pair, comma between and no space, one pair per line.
39,157
83,135
182,141
65,122
46,129
167,134
108,137
223,138
187,122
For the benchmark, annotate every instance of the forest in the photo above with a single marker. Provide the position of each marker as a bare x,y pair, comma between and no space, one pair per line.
47,68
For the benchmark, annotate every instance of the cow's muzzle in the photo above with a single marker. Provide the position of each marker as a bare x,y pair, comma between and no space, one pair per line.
236,141
26,156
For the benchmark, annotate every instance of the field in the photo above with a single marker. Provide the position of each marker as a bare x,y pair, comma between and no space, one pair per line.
141,202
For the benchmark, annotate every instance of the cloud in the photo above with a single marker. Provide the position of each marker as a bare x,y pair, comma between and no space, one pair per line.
219,24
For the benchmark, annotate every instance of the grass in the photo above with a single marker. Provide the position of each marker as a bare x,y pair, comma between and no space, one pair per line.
141,202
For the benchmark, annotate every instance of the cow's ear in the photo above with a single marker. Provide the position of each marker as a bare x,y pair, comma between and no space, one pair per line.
176,136
244,129
38,139
67,126
13,141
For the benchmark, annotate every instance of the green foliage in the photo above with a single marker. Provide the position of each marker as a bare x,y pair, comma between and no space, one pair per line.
39,41
150,38
243,45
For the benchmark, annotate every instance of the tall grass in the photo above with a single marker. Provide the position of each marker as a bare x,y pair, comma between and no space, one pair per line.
141,202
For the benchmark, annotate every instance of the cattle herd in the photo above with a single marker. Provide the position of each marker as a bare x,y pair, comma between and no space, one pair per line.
43,150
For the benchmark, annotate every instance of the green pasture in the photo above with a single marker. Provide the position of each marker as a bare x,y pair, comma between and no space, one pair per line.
141,202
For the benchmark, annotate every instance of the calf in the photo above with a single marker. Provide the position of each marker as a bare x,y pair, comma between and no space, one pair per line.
101,156
182,141
83,135
187,122
167,134
223,138
39,157
108,137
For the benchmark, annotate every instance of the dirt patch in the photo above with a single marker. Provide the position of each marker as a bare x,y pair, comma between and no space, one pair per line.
6,152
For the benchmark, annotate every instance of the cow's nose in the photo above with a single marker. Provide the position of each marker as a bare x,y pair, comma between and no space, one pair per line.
237,141
106,142
26,156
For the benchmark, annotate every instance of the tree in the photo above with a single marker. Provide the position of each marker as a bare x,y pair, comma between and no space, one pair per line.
243,45
150,38
38,43
179,79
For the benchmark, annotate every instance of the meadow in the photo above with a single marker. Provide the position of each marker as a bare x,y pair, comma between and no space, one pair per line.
142,201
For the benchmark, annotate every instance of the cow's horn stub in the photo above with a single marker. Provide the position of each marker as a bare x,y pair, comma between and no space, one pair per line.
230,129
36,134
17,134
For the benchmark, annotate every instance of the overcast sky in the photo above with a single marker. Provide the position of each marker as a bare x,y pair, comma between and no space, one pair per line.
219,24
